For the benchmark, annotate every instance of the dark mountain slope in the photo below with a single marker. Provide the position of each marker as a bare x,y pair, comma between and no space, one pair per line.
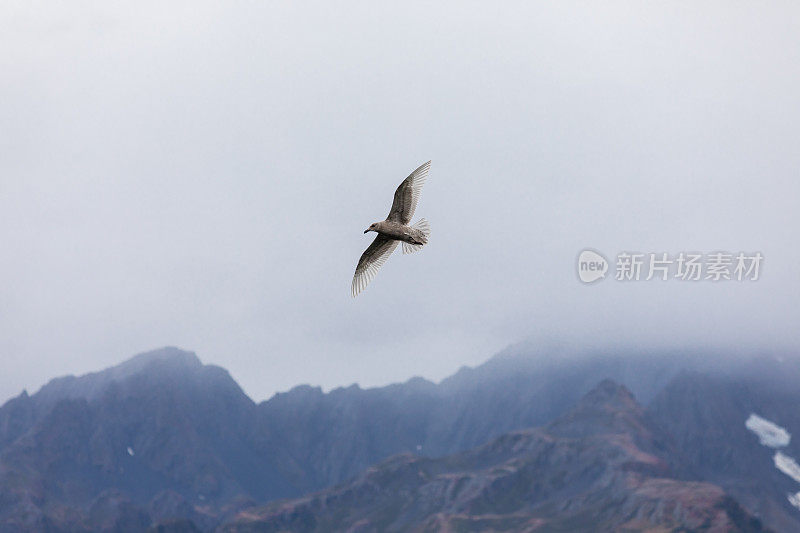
706,416
200,448
172,424
601,467
337,435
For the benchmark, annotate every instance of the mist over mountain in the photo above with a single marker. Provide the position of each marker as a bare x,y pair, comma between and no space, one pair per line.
163,438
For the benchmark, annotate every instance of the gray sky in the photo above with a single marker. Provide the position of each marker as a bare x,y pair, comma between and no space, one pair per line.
200,175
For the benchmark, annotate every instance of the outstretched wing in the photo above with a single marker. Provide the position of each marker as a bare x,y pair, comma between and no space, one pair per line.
407,195
371,260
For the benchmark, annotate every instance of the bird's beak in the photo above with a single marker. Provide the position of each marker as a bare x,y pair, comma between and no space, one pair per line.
366,230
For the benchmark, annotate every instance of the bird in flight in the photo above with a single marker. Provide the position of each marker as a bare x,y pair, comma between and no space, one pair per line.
395,229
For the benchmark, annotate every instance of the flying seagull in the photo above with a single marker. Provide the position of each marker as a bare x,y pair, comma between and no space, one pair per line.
394,229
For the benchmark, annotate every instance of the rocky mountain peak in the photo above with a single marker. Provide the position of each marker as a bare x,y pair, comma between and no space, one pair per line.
168,360
608,408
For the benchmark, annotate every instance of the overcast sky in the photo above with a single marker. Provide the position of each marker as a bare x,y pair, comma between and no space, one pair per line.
200,175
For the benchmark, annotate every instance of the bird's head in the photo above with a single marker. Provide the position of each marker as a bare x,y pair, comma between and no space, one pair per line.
372,227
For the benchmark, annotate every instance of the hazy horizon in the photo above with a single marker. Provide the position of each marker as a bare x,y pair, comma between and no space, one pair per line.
526,350
200,174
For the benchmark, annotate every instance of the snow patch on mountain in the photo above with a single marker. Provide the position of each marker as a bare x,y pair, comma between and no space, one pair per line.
769,433
787,465
794,499
774,436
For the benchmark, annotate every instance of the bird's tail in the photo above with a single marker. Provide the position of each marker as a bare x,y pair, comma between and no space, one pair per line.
423,226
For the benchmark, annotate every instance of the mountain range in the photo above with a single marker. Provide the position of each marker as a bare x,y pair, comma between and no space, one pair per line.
532,440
